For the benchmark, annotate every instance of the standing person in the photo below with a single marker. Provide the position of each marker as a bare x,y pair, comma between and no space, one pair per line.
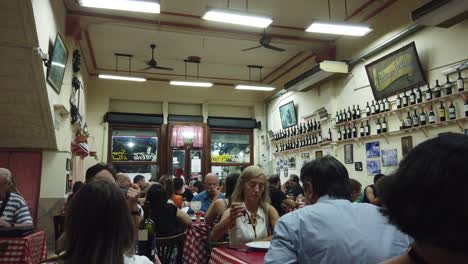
218,207
250,217
355,189
278,198
13,208
99,228
427,199
294,188
211,192
334,230
371,195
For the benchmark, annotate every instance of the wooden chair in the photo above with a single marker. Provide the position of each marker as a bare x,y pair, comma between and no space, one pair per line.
59,224
165,247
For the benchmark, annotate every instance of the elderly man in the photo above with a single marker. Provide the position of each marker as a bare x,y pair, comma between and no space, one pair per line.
333,230
211,192
13,209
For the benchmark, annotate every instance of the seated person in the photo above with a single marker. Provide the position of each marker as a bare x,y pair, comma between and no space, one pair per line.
210,194
99,227
355,189
427,199
333,230
278,198
294,188
13,209
180,190
217,208
168,219
196,187
172,196
140,181
250,217
371,194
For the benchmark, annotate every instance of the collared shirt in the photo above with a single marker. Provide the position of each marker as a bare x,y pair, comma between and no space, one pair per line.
205,200
16,210
335,231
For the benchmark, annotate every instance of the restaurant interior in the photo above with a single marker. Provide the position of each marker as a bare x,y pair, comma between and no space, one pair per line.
171,90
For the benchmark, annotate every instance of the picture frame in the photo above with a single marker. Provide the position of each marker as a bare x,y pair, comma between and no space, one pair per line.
68,164
292,162
288,115
373,149
406,145
389,157
348,154
318,154
358,166
373,167
57,64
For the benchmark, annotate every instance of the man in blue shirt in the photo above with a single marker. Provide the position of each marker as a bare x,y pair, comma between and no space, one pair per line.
333,230
211,192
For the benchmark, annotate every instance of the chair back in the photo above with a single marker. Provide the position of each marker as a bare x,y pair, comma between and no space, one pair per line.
167,247
59,225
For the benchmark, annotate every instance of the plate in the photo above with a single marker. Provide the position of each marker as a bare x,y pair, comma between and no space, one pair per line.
259,244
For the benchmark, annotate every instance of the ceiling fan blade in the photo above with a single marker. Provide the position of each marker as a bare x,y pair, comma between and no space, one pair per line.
273,47
147,68
256,47
163,68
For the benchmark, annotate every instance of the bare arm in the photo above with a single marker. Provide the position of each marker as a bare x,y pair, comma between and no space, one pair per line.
220,228
289,203
183,217
214,211
371,196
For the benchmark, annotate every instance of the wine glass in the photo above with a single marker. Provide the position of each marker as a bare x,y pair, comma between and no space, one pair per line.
195,205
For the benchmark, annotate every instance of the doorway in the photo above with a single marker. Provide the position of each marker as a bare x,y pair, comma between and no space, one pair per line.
187,161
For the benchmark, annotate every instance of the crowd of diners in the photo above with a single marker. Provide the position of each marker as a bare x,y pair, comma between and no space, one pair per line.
418,214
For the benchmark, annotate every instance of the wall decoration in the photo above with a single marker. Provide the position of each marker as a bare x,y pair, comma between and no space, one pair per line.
68,183
373,149
358,166
286,172
318,154
466,132
288,115
373,167
389,158
57,64
68,164
279,166
406,144
348,153
305,156
292,162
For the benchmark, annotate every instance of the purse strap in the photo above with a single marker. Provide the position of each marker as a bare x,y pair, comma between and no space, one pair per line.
5,201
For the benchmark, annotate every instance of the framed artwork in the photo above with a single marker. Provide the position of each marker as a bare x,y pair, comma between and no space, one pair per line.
57,64
68,164
286,172
288,115
389,158
318,154
292,162
373,167
358,166
348,153
373,149
305,156
406,144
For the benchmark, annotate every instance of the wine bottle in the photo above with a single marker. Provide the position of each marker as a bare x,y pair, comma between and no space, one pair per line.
436,90
354,112
337,118
448,86
367,128
315,125
361,130
318,126
341,117
403,124
409,121
345,132
422,118
379,126
377,106
460,82
315,140
349,132
404,100
415,119
358,112
418,95
319,141
382,106
372,108
339,134
412,97
442,112
466,108
349,115
384,126
354,131
368,110
452,112
428,93
145,244
329,135
432,118
386,105
398,102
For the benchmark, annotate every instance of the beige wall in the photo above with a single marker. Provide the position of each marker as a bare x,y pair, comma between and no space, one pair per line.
437,49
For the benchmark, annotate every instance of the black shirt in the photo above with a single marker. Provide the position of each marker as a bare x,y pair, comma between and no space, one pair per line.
277,197
295,190
188,195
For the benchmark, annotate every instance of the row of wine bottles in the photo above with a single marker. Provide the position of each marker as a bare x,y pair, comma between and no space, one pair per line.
377,107
303,142
351,131
301,128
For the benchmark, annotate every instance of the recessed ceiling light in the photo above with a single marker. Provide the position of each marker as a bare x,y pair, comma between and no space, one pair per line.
339,28
123,78
254,87
191,83
145,6
238,18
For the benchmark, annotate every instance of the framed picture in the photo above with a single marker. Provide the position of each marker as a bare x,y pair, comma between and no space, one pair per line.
348,153
288,115
406,144
373,150
389,158
305,156
318,154
57,64
373,167
358,166
292,162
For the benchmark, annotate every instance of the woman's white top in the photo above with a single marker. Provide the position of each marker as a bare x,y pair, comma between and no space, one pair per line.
136,260
242,232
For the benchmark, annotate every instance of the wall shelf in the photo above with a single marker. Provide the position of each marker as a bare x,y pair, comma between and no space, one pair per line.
306,148
301,136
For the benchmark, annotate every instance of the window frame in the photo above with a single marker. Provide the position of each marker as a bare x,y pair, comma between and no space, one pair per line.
232,131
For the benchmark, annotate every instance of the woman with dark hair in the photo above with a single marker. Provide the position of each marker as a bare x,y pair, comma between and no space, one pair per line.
172,196
99,228
371,194
428,200
168,219
217,208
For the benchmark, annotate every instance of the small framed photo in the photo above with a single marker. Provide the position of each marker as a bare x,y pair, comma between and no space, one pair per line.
348,153
318,154
358,166
68,164
406,145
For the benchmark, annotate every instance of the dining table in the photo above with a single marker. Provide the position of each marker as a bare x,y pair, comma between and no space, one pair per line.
225,255
30,249
196,241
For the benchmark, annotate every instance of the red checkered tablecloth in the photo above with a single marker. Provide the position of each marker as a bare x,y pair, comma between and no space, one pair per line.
196,241
230,256
25,250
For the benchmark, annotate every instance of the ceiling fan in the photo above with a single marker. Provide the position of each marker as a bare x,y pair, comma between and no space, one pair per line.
152,64
264,42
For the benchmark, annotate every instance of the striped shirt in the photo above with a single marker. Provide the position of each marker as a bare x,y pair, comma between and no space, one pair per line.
16,210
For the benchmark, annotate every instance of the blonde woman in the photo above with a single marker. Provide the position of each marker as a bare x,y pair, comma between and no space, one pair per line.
250,216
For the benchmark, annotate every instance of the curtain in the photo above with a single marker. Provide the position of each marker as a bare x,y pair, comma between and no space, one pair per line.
182,134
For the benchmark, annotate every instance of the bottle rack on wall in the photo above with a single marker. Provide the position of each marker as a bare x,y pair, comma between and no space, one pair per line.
296,137
306,148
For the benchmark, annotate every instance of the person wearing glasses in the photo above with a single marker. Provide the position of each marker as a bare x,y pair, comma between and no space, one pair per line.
250,216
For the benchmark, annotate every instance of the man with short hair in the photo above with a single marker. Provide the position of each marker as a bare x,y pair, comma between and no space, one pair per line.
278,198
13,209
140,181
333,230
123,180
211,192
355,189
294,188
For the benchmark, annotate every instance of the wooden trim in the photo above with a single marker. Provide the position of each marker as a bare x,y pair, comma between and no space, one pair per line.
379,10
292,67
232,164
359,9
282,65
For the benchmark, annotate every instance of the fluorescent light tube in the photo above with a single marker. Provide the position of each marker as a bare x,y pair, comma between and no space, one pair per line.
339,28
238,18
145,6
254,87
191,83
123,78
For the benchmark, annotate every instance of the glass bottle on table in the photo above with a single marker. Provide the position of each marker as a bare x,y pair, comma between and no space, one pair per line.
377,106
404,100
368,110
384,126
387,105
379,126
367,128
382,106
145,244
412,97
409,121
354,131
372,108
339,134
358,112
